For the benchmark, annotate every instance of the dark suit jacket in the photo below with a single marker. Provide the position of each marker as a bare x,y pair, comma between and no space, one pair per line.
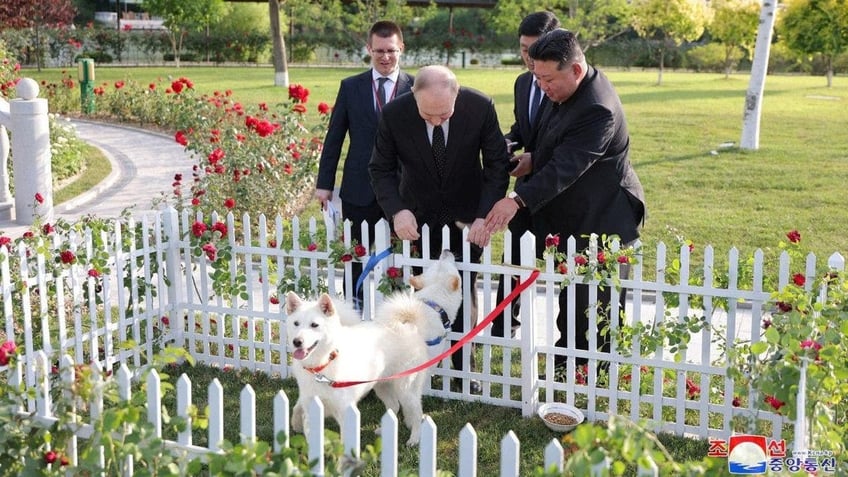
354,114
521,130
476,156
582,180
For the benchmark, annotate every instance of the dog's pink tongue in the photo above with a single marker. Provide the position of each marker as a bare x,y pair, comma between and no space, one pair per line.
299,353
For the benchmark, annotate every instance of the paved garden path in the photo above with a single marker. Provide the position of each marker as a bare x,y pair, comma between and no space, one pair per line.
143,167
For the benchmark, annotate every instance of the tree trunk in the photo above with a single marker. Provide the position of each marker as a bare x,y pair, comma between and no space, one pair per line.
759,69
829,71
662,60
281,74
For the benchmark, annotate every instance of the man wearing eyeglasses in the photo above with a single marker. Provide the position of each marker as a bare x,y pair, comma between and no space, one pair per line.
356,113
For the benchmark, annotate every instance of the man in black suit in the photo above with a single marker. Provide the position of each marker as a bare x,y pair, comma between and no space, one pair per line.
582,179
529,101
440,159
360,100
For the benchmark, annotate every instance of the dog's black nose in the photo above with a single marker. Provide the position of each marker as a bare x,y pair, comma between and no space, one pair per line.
297,342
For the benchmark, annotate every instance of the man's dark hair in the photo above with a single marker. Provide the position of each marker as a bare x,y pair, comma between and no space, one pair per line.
385,29
559,45
538,23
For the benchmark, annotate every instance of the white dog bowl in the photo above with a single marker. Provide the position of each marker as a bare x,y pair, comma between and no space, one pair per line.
560,417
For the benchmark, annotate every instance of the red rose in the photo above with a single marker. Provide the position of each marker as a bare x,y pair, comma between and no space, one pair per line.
166,320
794,236
581,260
323,108
299,108
774,402
220,227
601,257
312,247
47,229
181,138
151,86
393,272
64,461
39,198
7,350
5,241
177,87
216,155
298,93
119,84
799,279
229,202
211,251
736,401
347,257
198,228
623,259
784,307
562,268
28,234
272,243
552,241
67,257
50,457
275,300
692,389
93,273
359,250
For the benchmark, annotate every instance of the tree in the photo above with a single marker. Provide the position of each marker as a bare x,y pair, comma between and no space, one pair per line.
597,21
734,26
669,23
182,16
756,86
281,72
817,27
36,14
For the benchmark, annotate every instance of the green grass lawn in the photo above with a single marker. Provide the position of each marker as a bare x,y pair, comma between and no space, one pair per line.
737,199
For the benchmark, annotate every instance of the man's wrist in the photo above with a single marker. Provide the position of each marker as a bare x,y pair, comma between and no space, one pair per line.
518,200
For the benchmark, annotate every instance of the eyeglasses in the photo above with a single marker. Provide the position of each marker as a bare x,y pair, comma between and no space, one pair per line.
385,52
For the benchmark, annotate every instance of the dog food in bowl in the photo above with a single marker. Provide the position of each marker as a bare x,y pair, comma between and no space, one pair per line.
560,417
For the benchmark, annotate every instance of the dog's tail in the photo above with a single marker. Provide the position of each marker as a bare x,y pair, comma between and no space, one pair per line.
401,309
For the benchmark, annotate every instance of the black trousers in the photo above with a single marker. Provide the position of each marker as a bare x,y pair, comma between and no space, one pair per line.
371,213
517,226
581,318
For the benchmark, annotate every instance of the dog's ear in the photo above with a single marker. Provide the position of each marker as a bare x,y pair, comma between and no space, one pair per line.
416,282
293,302
325,304
455,283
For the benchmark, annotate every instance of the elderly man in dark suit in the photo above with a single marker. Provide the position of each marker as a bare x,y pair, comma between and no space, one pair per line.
530,100
360,100
582,179
440,159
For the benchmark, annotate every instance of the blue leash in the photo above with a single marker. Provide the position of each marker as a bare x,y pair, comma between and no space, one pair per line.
373,260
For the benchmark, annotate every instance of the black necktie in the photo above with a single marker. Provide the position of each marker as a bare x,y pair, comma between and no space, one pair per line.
441,164
381,91
439,150
535,101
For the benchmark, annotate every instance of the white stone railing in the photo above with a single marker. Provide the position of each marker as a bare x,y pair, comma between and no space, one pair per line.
26,118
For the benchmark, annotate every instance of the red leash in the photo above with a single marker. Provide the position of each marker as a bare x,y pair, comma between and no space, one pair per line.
465,339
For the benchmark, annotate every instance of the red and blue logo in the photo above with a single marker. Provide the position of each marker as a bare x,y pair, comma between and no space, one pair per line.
747,454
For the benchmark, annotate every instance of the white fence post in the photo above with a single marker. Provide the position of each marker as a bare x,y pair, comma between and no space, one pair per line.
5,194
31,154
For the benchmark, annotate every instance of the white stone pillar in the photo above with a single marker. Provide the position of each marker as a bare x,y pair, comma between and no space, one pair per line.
31,154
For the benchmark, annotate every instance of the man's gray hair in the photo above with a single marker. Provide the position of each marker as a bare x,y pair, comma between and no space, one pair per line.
436,77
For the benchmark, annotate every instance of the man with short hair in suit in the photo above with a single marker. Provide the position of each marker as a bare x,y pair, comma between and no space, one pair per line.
440,159
356,113
529,102
582,181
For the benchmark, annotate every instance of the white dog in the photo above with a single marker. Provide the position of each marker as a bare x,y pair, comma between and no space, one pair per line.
324,348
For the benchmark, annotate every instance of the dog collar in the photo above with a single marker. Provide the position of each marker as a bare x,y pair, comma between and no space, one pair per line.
446,322
318,369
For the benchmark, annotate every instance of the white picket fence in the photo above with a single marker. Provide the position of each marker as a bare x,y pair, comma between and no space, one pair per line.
158,290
